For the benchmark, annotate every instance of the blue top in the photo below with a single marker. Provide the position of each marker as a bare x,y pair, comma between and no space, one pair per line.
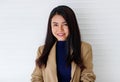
63,71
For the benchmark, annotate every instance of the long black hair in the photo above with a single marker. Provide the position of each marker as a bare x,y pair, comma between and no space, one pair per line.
73,40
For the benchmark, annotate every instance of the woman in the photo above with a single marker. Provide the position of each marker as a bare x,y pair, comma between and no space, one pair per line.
63,57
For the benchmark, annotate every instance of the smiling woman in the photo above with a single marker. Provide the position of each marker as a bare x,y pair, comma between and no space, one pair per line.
63,57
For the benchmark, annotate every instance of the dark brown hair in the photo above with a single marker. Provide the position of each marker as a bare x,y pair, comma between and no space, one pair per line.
73,40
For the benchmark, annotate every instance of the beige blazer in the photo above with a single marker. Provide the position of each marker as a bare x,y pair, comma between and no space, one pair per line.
49,74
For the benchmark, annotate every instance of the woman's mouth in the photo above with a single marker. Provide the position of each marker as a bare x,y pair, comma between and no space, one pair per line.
61,34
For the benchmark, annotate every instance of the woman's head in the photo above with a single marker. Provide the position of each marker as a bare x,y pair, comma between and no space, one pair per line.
59,28
62,23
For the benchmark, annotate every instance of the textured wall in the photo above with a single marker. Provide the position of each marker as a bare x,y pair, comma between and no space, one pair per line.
23,28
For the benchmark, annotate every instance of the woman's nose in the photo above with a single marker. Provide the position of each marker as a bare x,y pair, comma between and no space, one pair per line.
60,27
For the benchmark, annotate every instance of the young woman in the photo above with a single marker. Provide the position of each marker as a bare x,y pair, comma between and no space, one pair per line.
63,57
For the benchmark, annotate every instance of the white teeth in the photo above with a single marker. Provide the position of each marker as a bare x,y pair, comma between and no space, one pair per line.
61,34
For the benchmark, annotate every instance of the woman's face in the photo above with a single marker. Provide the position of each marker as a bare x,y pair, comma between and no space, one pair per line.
59,28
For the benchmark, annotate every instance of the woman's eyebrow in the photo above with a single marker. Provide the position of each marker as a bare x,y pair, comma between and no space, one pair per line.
64,22
54,22
57,22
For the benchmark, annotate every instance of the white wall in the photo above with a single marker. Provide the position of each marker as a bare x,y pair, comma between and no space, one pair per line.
23,28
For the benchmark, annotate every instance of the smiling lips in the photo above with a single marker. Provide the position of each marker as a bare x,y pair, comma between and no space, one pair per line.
60,34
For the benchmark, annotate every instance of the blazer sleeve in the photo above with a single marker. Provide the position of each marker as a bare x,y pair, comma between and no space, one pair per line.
87,74
37,72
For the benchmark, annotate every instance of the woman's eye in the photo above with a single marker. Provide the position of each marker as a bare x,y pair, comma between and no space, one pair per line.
55,24
66,24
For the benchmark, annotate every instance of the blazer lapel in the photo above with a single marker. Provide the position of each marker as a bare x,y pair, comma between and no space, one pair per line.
73,66
73,69
51,65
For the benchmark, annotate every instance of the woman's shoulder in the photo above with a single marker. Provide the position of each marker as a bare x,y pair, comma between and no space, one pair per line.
40,48
86,50
85,46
